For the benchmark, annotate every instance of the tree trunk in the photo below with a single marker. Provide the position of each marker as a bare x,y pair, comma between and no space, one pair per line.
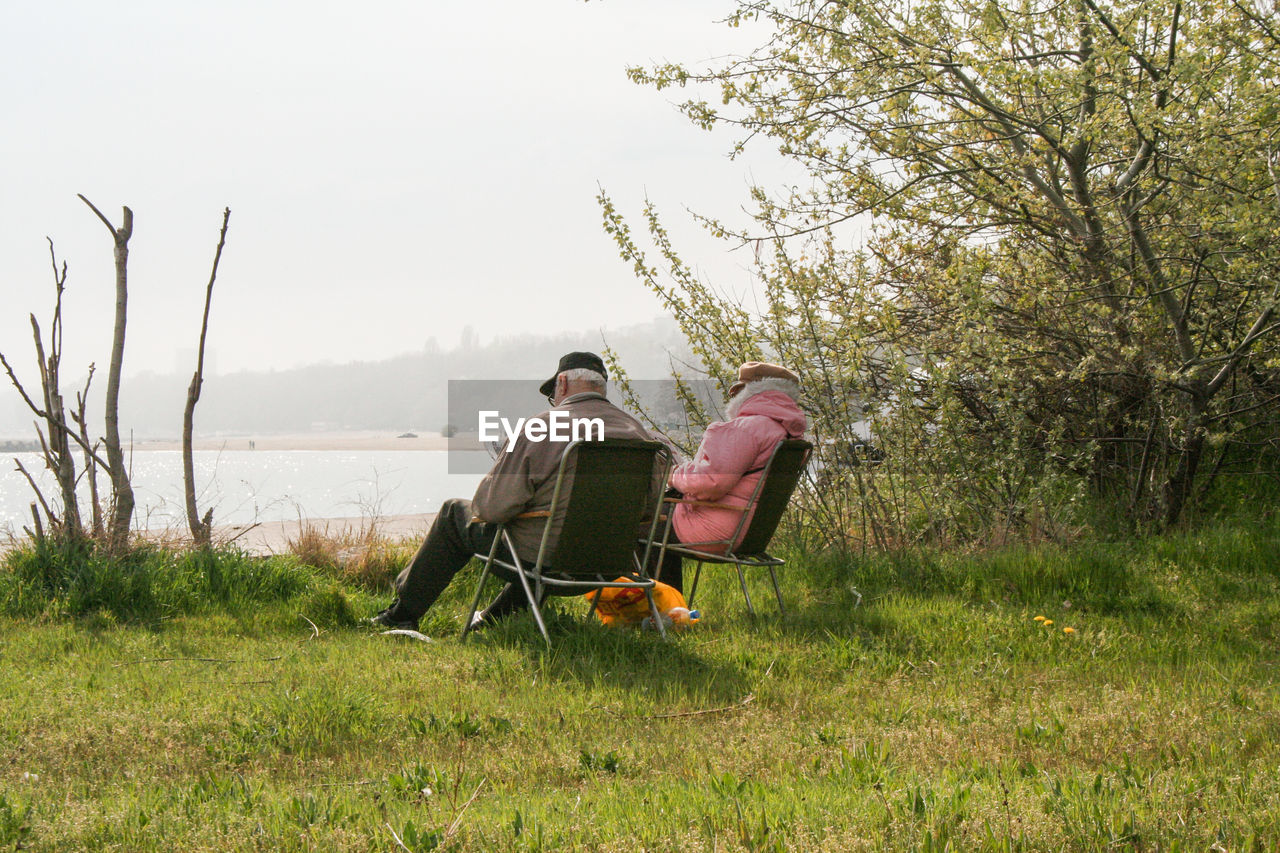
57,450
121,489
201,529
1180,483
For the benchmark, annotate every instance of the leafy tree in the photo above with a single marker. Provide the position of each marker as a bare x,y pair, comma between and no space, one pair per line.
1071,236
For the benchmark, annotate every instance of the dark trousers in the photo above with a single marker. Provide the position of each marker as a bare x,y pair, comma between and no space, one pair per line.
450,544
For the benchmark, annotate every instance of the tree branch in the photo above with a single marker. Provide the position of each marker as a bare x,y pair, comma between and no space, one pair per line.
1258,330
36,410
39,496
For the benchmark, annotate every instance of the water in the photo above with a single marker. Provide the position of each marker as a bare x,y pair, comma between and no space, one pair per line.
249,486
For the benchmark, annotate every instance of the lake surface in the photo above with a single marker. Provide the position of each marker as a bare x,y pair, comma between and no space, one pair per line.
262,485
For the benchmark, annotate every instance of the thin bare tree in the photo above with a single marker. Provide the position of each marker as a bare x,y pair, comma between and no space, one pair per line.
201,528
55,435
121,489
91,459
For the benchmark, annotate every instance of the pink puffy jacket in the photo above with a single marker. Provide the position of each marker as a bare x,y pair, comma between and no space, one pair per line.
726,467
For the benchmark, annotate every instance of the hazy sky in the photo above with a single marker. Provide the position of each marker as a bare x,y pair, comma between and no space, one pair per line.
396,170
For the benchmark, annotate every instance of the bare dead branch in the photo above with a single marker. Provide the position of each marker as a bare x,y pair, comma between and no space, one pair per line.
41,413
91,459
746,700
195,660
105,221
200,529
457,821
38,535
251,527
36,410
396,838
39,495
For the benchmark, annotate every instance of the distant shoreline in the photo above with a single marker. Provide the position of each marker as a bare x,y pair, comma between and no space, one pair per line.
273,537
305,441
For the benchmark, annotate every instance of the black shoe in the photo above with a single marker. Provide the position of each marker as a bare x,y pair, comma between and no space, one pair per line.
387,619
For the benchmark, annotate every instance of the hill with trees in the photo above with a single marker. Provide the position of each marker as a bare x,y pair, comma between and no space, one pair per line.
406,392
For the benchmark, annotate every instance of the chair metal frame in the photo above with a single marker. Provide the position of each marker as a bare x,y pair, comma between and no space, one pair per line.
544,577
754,529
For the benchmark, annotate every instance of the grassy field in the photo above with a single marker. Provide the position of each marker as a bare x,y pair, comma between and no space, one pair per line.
912,702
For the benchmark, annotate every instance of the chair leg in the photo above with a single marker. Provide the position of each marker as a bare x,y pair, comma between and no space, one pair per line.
697,573
774,577
475,601
654,614
742,580
533,605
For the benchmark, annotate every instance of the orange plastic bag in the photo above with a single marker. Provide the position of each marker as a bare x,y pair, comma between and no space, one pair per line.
623,606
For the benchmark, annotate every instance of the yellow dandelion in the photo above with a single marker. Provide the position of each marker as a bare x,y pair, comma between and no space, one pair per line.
1039,619
1048,622
1068,630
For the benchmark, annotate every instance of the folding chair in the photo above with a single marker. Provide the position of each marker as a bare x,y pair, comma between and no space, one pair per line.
606,492
772,494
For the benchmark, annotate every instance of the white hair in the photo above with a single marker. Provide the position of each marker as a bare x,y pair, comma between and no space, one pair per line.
585,374
759,386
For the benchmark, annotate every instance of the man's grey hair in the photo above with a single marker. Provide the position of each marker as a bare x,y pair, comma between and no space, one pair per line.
585,374
759,386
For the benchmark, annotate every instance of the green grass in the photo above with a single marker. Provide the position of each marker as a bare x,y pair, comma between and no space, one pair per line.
906,702
150,583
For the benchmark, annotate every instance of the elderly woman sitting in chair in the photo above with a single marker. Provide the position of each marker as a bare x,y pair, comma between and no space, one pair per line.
762,410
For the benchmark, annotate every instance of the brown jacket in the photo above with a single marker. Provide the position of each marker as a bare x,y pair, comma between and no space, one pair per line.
524,479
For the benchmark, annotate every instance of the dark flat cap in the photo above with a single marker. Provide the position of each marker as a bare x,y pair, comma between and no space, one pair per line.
574,361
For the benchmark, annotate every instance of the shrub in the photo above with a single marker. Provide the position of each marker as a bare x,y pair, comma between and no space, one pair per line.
362,557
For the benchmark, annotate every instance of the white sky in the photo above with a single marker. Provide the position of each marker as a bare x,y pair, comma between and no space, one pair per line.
395,170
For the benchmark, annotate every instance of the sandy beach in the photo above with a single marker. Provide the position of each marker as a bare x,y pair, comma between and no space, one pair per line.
274,537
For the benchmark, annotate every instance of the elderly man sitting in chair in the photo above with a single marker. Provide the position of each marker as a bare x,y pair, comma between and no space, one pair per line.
762,410
520,481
